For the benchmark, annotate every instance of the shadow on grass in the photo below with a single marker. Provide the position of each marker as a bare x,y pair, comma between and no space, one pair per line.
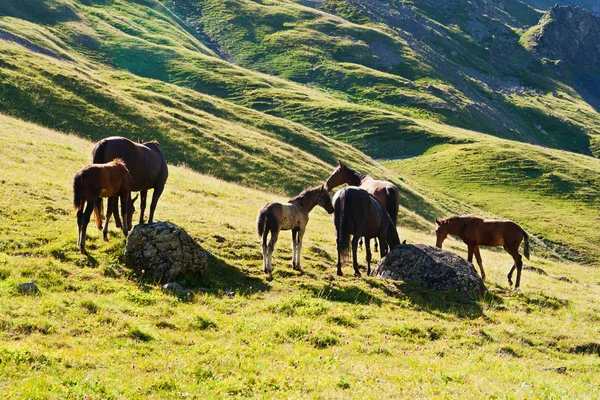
430,300
352,294
221,278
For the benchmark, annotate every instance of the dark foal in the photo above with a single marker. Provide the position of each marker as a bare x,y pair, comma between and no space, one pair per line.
94,182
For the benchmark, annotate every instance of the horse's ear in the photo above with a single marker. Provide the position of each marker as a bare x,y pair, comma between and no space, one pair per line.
140,141
438,221
340,163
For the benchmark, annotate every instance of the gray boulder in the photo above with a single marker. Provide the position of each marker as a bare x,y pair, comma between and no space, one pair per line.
432,268
28,288
164,252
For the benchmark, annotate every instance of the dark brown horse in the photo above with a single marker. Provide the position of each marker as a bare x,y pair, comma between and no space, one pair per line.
145,162
359,213
477,232
274,217
95,181
385,191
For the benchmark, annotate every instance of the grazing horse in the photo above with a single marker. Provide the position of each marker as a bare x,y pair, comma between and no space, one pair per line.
477,232
361,214
274,217
147,166
95,181
385,191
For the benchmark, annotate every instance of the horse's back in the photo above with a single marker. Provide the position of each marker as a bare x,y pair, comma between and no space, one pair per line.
147,165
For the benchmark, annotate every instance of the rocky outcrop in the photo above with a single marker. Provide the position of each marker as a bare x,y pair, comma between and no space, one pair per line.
568,34
432,268
164,252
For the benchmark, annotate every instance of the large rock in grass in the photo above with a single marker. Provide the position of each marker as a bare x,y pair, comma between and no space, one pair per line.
432,268
165,252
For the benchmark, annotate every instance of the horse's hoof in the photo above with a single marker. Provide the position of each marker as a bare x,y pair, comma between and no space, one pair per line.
339,272
105,237
357,274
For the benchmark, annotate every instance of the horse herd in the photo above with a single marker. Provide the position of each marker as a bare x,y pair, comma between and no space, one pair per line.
366,208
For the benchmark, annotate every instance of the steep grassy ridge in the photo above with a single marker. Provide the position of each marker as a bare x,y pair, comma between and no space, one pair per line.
92,331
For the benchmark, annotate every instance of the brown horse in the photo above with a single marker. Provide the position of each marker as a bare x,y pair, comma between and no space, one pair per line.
477,232
95,181
361,214
274,217
385,191
147,166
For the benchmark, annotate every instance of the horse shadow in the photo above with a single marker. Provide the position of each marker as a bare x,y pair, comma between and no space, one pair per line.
431,301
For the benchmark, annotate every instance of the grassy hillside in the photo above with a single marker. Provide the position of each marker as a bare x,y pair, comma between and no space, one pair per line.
95,332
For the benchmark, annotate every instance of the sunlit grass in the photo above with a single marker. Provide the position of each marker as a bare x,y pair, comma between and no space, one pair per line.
240,335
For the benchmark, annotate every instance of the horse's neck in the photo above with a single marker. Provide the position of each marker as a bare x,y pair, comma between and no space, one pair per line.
354,178
457,226
307,203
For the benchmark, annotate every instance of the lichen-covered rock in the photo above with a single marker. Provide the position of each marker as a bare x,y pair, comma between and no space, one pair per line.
165,252
432,268
28,288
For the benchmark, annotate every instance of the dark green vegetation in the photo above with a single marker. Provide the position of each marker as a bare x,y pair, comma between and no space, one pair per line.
268,94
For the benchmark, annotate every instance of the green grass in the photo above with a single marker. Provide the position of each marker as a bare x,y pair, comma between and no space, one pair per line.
552,194
240,335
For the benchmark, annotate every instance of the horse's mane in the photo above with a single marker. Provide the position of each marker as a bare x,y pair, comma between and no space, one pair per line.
306,193
358,175
460,217
119,161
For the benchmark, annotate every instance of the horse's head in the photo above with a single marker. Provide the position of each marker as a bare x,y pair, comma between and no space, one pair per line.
441,232
130,211
337,178
325,200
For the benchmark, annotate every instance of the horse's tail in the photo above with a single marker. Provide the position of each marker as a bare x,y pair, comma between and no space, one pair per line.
393,238
392,204
99,157
98,211
526,244
344,208
78,191
261,221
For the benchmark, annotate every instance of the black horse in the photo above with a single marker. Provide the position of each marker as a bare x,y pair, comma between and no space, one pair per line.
360,214
145,162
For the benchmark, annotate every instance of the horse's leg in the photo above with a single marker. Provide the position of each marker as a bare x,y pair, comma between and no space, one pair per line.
294,247
514,252
299,248
375,244
79,225
339,262
479,262
155,195
510,273
86,220
355,240
124,197
143,195
519,262
368,248
264,249
109,208
115,212
270,249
